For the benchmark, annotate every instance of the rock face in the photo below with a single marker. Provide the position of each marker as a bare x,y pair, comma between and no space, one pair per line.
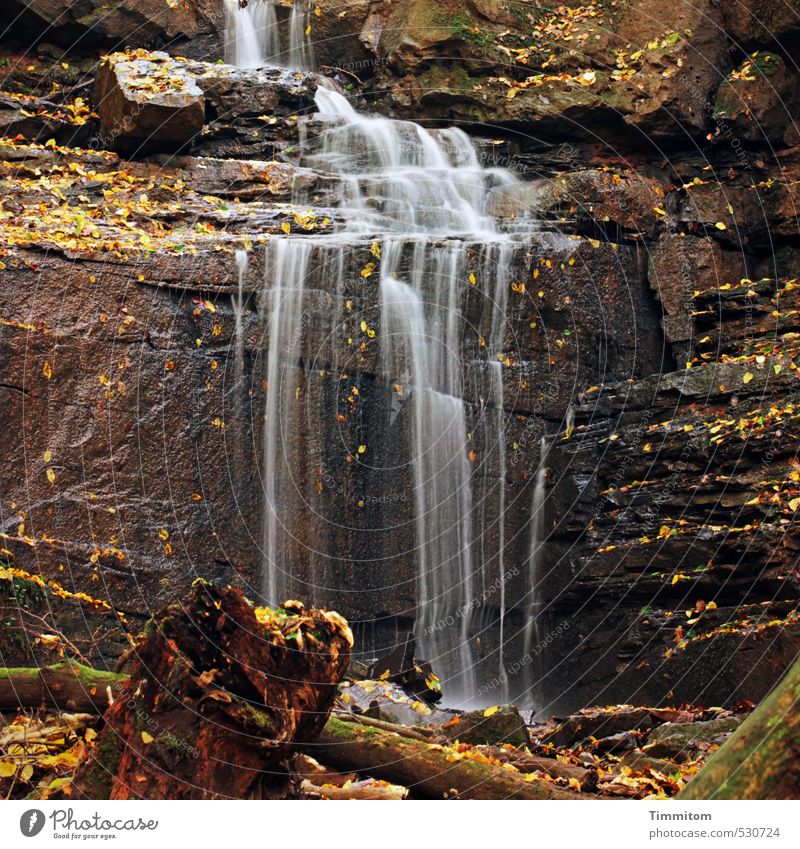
192,28
653,343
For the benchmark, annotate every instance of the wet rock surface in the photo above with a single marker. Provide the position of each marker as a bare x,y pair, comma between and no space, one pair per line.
147,103
671,740
651,337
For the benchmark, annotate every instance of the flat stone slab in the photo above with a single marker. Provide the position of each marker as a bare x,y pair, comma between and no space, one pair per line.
148,101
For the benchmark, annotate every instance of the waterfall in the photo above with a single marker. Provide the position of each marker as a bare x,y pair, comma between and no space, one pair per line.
534,634
252,35
301,52
242,262
287,265
425,196
418,202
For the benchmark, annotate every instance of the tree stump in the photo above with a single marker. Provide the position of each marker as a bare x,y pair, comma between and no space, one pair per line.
218,696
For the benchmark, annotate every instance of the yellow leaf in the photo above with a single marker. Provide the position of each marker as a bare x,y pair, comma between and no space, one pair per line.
376,250
147,738
472,280
362,449
491,711
286,227
27,772
47,371
51,476
720,226
48,456
367,270
794,504
7,769
748,376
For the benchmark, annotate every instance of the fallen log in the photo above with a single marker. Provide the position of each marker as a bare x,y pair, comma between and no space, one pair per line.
68,686
218,696
428,769
759,761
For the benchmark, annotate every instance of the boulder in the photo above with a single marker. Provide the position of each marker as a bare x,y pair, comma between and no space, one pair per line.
150,101
757,101
671,739
495,726
649,66
147,101
598,723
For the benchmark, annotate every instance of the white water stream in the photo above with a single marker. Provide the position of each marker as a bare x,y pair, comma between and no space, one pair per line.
422,200
253,35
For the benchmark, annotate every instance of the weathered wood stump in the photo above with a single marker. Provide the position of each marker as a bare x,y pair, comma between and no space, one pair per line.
218,696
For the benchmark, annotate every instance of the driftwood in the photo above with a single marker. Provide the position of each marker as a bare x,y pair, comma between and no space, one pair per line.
368,789
586,778
759,761
428,769
67,686
307,768
217,698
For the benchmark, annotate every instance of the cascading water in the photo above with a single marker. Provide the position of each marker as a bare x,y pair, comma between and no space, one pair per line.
253,38
423,198
242,262
301,52
423,202
534,634
428,197
287,266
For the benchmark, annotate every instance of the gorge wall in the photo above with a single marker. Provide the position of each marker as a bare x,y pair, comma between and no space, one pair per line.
650,332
